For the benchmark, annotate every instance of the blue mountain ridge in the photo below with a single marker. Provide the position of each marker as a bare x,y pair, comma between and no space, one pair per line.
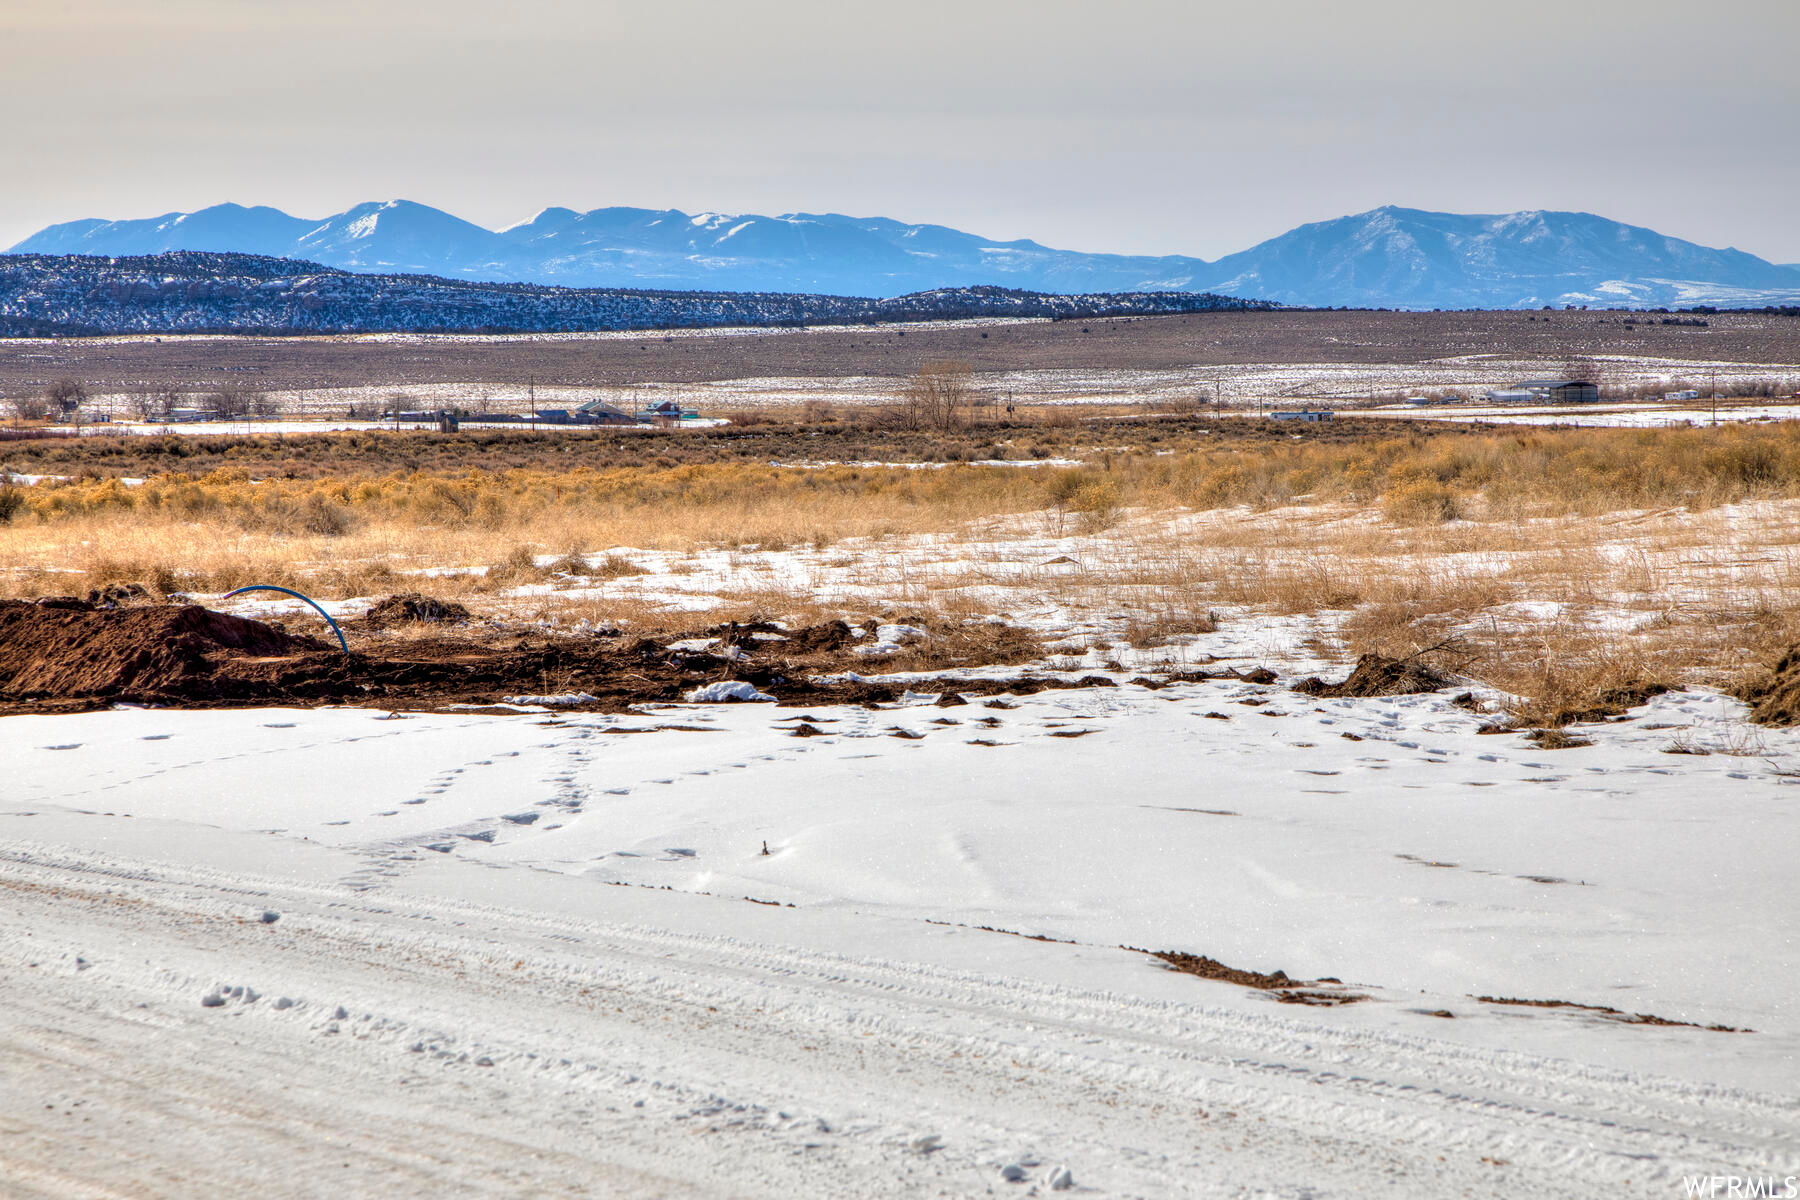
1386,258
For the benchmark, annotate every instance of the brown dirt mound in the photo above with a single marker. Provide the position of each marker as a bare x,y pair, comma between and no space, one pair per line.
1774,698
120,593
1609,702
411,607
72,649
1376,675
65,654
1288,991
1212,968
827,638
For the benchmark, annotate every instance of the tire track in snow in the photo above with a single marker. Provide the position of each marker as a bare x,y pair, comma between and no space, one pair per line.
1074,1053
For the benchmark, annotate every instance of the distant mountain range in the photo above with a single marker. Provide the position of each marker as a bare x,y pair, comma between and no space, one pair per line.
1385,258
189,291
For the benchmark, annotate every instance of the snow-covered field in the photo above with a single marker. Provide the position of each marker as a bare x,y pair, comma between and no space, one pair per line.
1247,385
1632,416
346,951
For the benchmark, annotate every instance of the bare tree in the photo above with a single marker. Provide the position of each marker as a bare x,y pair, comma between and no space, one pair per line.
157,403
65,395
229,400
937,396
31,408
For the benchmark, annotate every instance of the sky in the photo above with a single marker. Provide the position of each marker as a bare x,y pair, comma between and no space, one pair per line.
1143,126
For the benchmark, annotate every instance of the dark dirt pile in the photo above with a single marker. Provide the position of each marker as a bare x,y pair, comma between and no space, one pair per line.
1376,675
1289,991
1774,698
114,594
69,654
412,608
71,649
1609,702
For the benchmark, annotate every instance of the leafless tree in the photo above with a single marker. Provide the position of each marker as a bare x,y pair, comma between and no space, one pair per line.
937,397
230,400
157,403
31,408
65,395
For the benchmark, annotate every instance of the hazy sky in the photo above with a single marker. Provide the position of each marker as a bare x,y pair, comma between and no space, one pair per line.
1137,126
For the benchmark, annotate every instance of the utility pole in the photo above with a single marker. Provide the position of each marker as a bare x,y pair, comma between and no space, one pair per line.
1715,397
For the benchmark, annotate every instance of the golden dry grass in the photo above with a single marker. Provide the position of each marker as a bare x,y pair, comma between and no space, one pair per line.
1551,564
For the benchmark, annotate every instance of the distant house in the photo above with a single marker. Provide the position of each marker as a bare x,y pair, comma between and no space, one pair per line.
1511,396
594,412
598,412
1301,414
667,411
1561,391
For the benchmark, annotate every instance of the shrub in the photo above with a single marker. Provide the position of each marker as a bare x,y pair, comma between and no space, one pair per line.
1419,502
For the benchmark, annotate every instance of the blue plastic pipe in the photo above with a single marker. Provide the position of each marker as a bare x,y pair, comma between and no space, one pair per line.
269,587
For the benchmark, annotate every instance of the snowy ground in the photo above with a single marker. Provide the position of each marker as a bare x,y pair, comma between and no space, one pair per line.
1633,416
1247,385
340,950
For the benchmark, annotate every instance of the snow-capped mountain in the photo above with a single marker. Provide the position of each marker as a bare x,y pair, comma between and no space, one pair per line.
1405,258
1388,258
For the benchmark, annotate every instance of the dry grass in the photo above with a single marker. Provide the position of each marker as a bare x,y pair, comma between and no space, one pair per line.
1556,566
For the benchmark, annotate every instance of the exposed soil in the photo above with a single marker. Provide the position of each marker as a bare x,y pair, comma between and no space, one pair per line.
1288,991
1610,702
1774,698
1378,676
1610,1014
68,654
70,649
413,608
113,594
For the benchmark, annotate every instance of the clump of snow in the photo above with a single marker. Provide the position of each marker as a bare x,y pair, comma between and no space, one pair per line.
729,690
559,700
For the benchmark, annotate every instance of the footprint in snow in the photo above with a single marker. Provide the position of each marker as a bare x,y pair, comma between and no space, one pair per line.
66,746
